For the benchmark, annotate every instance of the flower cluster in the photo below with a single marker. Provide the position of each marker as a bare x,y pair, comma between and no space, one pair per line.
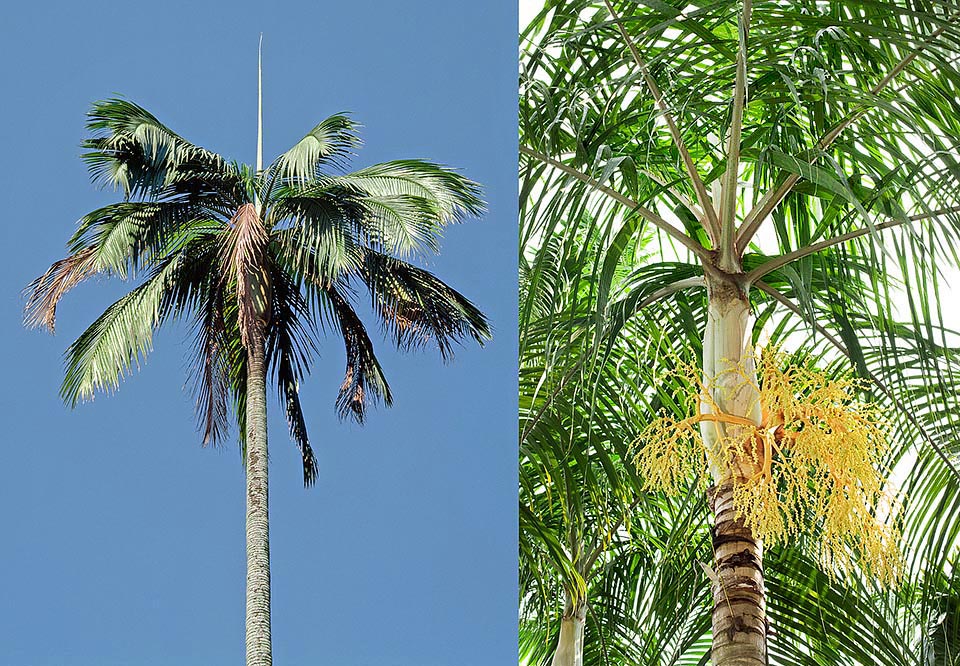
813,462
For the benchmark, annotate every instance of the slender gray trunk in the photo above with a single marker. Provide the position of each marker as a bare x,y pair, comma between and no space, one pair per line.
259,652
739,610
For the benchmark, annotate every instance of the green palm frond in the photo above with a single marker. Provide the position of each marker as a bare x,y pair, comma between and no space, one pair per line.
406,203
118,341
417,308
321,240
127,235
327,144
134,151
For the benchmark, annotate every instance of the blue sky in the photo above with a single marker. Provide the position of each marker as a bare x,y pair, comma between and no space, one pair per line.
124,537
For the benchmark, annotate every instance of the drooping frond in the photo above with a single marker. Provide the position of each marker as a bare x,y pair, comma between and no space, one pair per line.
417,308
211,365
220,360
297,424
120,338
364,381
329,143
289,346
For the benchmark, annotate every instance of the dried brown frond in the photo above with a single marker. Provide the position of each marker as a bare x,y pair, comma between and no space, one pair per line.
407,321
45,292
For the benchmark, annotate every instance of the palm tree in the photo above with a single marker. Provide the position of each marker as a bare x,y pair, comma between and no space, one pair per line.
797,160
259,261
588,529
576,498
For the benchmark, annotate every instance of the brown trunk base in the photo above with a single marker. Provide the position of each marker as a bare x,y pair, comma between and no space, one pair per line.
739,612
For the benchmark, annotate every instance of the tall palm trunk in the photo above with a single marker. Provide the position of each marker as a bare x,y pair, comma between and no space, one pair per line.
739,615
259,651
570,645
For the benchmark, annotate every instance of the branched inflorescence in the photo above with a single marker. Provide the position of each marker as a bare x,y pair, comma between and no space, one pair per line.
813,462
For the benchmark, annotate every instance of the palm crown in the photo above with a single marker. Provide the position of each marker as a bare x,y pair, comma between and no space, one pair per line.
273,255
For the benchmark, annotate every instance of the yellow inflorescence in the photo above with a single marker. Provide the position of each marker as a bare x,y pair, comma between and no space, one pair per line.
815,460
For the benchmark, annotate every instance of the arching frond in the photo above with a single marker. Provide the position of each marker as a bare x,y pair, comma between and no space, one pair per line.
322,242
134,151
125,236
405,204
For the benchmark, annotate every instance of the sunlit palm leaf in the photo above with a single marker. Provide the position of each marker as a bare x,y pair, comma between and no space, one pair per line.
329,143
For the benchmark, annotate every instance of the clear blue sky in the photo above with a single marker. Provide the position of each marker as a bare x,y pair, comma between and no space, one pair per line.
123,538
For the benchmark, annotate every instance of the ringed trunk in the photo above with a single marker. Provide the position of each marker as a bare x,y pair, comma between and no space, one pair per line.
739,610
258,645
570,646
